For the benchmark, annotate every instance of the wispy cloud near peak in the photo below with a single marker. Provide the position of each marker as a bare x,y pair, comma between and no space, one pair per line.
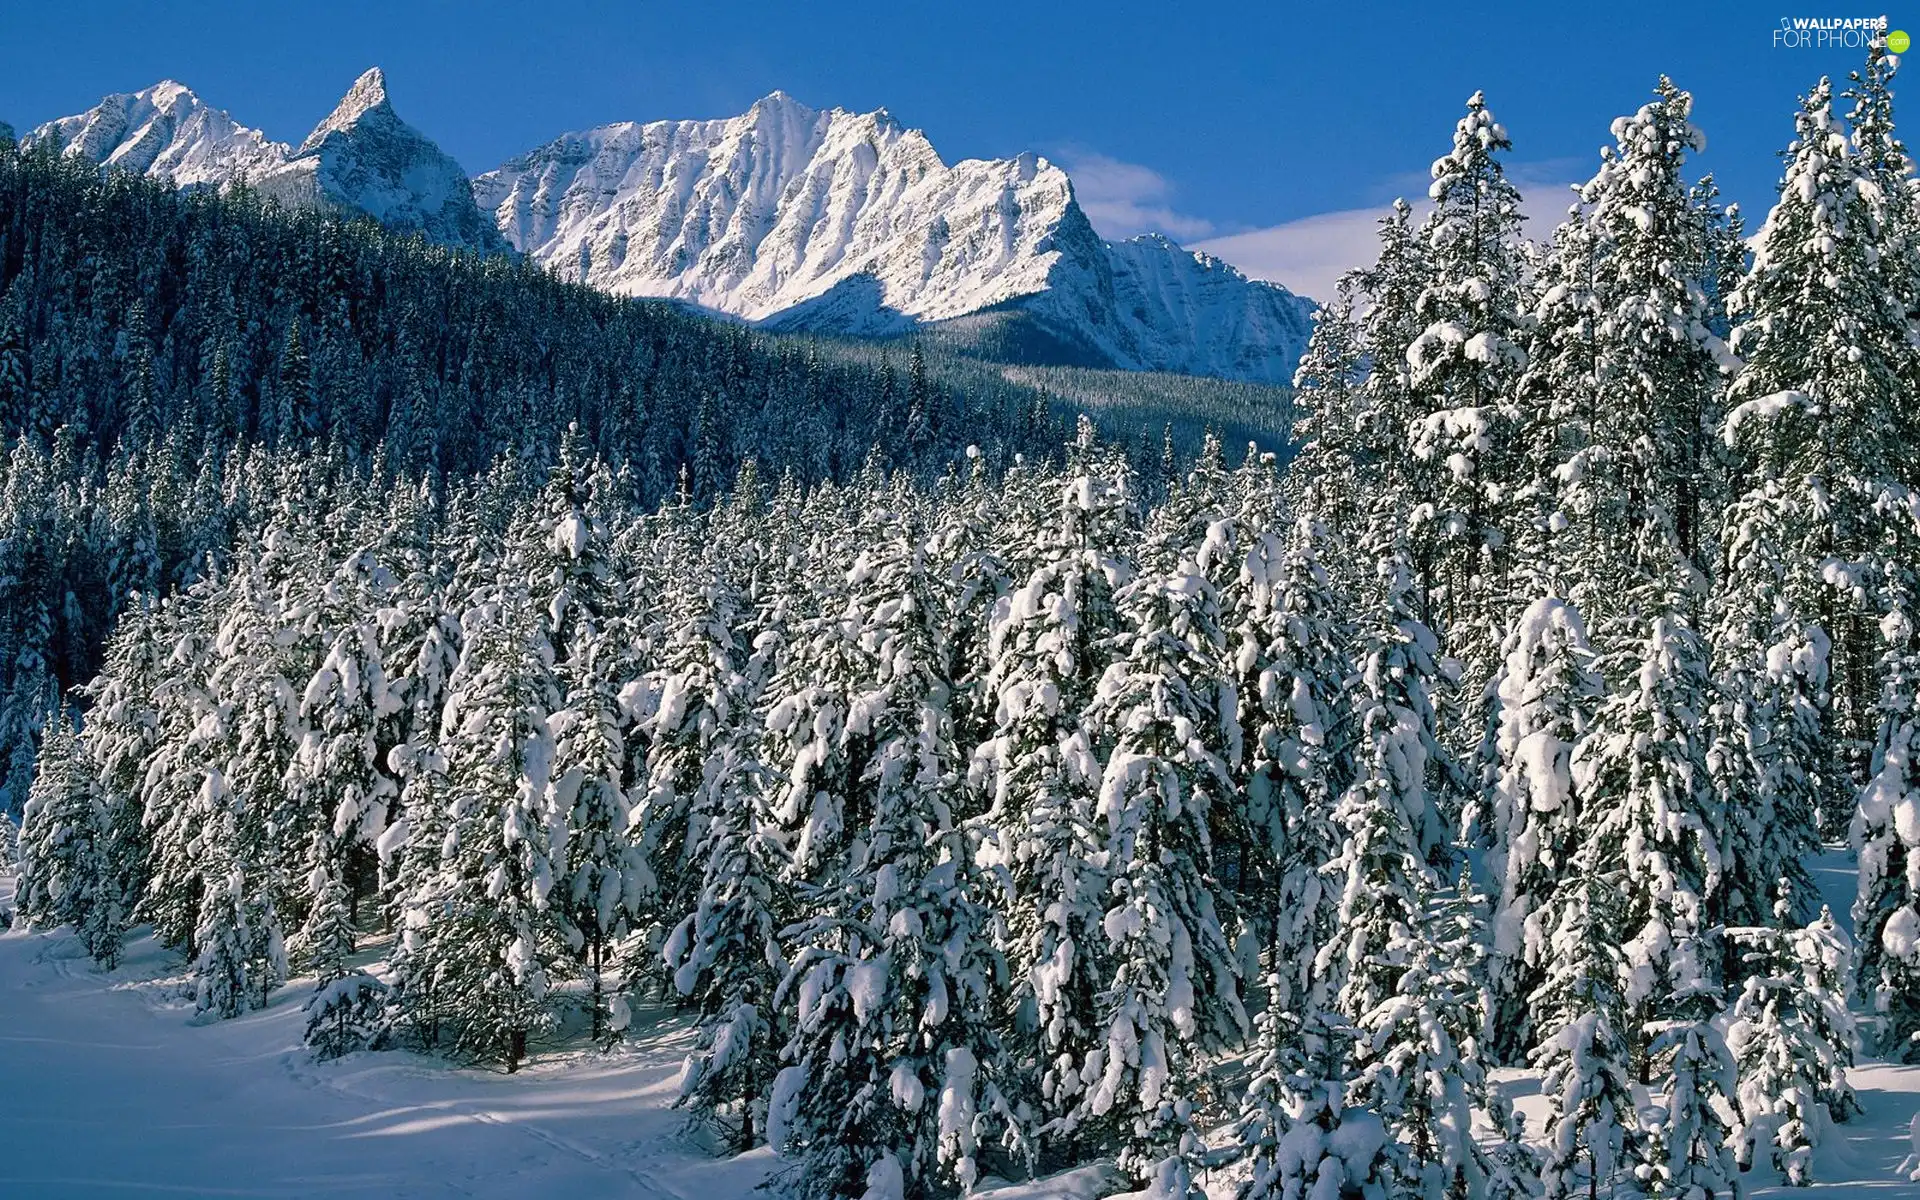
1123,199
1309,255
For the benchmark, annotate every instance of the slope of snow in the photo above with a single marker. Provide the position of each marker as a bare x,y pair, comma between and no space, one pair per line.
113,1091
168,133
127,1097
364,157
849,223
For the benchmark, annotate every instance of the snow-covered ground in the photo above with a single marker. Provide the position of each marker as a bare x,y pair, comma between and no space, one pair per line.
107,1088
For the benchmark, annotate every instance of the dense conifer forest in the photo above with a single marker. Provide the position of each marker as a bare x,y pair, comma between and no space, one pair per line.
994,797
153,342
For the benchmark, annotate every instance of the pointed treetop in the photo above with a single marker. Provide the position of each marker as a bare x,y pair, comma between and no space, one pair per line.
1475,139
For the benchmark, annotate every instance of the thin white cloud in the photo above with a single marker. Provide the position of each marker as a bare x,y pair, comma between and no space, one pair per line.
1309,255
1123,199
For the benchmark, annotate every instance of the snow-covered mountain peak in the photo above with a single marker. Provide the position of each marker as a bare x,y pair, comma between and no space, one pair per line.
364,157
779,101
805,218
843,222
170,92
166,132
367,95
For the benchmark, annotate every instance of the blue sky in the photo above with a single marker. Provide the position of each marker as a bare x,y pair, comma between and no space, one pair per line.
1268,131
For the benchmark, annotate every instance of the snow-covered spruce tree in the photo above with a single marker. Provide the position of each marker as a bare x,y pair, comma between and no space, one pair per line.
1329,394
348,1014
1792,1037
487,931
1884,161
1688,1150
1403,966
1386,472
189,726
971,520
725,955
1887,173
1825,345
327,937
1418,1063
1382,872
241,948
1173,992
1593,1133
699,686
1651,825
213,882
1303,1137
1635,400
121,728
606,881
1046,652
420,644
336,773
262,644
717,864
892,1064
1556,408
1463,366
32,698
1300,718
1529,818
63,875
420,638
420,891
348,1008
1235,544
1886,842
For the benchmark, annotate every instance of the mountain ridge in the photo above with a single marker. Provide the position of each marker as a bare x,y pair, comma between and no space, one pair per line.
799,219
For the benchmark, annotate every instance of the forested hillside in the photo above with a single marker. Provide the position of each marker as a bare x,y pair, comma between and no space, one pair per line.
151,341
1233,827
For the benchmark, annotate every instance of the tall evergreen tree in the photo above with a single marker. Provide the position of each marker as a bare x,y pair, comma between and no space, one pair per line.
1463,365
1530,818
1174,988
